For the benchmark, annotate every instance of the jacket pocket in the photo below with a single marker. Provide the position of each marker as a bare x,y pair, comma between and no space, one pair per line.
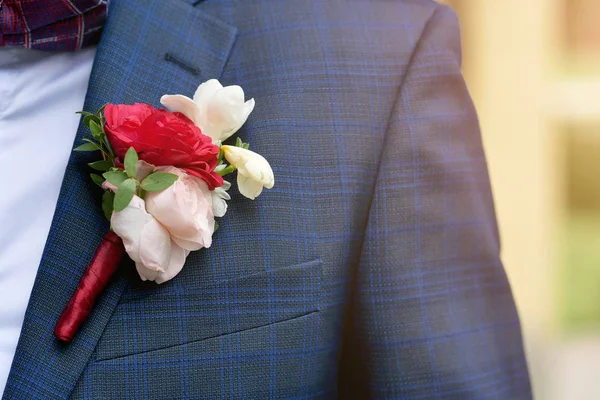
285,359
185,312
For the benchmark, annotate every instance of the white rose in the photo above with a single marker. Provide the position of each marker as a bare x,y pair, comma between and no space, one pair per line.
254,172
218,111
148,243
184,209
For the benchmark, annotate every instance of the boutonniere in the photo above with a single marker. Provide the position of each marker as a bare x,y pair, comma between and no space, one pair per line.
162,171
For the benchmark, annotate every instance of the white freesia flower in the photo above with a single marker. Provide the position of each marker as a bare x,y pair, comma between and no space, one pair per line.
254,172
218,111
219,199
184,209
148,243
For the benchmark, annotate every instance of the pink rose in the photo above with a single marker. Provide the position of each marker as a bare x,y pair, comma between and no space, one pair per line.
157,257
184,209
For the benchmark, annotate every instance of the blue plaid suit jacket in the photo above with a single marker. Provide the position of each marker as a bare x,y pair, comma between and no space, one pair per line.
371,270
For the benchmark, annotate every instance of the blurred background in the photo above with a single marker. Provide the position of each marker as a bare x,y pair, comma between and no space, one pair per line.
533,69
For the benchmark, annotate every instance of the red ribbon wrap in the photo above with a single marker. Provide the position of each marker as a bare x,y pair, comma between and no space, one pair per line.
95,279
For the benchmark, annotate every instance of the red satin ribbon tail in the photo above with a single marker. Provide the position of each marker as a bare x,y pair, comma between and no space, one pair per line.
95,279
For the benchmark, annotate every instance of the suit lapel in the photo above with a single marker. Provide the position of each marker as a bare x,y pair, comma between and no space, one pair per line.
148,48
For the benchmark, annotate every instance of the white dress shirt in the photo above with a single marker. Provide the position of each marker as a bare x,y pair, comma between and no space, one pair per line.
39,95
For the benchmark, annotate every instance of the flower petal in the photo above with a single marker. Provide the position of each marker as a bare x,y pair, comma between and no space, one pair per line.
219,199
226,186
109,186
146,241
205,91
240,117
129,223
182,104
155,246
144,273
143,169
248,187
178,256
204,227
219,205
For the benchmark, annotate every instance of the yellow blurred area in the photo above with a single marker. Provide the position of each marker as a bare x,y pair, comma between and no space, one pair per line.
533,69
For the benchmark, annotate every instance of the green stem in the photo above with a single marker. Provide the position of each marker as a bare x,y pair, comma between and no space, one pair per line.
227,170
107,144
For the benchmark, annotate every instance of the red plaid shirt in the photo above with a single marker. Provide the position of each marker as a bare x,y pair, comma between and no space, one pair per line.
58,25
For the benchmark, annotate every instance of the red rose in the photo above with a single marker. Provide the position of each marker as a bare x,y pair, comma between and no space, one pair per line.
162,137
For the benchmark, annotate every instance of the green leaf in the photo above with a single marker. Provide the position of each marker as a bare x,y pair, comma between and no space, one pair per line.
115,177
216,226
95,127
101,165
246,146
124,194
107,146
221,154
107,203
84,113
238,142
101,108
98,180
88,119
87,147
158,181
131,160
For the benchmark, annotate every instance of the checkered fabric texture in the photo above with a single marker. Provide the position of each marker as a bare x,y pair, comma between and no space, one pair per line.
370,270
56,25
